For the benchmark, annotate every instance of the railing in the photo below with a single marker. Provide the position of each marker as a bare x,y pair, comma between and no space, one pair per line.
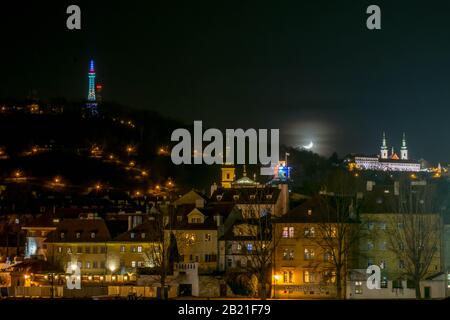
186,266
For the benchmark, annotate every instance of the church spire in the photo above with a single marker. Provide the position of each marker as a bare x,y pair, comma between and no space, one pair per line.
384,149
404,141
244,174
404,149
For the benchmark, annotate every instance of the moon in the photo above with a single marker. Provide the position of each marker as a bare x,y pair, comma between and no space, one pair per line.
309,146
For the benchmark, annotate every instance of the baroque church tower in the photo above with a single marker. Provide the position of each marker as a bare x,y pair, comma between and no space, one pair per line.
384,148
404,149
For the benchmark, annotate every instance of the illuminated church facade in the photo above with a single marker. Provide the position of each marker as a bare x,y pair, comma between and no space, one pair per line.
385,161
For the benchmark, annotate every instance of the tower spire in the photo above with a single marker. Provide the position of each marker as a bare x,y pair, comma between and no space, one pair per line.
404,141
404,149
384,149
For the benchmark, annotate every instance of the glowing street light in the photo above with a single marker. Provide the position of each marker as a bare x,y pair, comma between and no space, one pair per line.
130,149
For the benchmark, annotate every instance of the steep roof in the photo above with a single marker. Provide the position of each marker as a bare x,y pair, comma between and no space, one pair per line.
146,231
42,221
85,227
191,198
265,195
320,209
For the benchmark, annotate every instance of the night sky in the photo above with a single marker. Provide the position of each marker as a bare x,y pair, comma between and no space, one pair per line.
310,68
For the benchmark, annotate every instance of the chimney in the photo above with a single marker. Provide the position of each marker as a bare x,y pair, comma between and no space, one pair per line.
218,219
213,188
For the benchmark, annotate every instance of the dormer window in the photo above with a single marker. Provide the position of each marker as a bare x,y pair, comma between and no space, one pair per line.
92,235
132,235
196,220
78,235
62,235
309,212
143,235
252,196
219,197
236,197
268,196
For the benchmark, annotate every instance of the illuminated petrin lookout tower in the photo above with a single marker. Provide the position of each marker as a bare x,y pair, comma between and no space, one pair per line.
91,94
91,105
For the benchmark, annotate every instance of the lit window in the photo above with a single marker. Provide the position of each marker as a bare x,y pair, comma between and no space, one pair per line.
139,248
122,248
132,235
143,235
88,264
78,235
288,276
59,250
358,287
208,237
308,277
309,253
310,232
249,247
285,233
69,250
133,264
333,232
329,276
92,235
288,254
291,232
62,235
